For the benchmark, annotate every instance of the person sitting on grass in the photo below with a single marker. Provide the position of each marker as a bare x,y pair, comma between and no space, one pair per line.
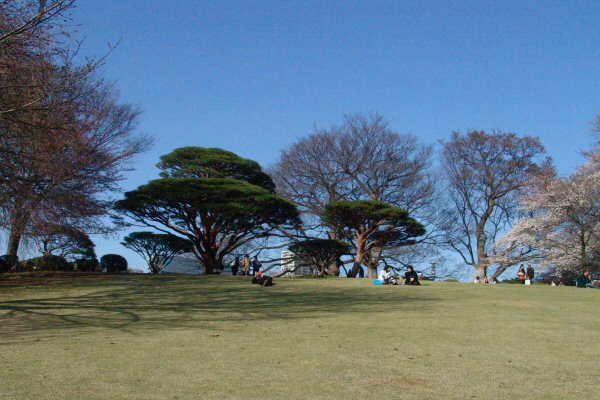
262,279
385,275
584,280
411,277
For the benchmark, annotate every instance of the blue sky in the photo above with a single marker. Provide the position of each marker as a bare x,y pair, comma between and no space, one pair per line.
252,77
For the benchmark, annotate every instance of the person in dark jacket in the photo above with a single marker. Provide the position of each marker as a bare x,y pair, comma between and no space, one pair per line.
255,265
530,273
584,280
262,279
235,266
411,277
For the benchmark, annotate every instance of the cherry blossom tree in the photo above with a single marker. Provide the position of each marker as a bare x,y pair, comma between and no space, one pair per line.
562,226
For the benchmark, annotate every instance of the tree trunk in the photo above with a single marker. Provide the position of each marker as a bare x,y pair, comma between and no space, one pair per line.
17,224
584,257
372,274
373,262
354,271
322,272
480,271
499,271
14,240
210,264
334,269
358,258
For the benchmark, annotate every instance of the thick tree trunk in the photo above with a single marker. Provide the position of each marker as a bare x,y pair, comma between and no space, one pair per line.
334,269
155,268
14,240
358,258
210,264
372,274
373,262
17,224
354,271
480,271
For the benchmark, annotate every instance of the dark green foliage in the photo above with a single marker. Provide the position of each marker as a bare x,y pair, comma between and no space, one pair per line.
87,264
228,202
113,263
371,224
7,262
47,263
201,162
156,248
365,213
64,240
233,211
321,253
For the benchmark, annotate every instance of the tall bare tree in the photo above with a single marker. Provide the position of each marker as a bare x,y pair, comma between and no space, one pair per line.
22,20
65,138
362,159
485,174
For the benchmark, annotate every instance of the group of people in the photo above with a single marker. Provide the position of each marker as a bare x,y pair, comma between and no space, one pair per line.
526,274
250,267
246,264
584,280
485,280
386,277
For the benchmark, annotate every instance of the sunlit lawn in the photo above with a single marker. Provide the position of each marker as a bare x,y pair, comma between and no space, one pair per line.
168,337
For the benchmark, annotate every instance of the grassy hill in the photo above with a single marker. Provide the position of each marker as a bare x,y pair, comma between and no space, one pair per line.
179,337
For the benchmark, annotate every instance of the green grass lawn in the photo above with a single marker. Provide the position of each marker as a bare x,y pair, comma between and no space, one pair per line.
169,337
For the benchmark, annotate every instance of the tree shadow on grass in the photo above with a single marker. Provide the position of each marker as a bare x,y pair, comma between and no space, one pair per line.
142,303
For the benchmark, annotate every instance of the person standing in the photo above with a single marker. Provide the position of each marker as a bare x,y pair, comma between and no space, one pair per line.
530,273
255,265
246,263
521,274
235,266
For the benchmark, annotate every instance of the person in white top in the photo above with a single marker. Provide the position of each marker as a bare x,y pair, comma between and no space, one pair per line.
385,275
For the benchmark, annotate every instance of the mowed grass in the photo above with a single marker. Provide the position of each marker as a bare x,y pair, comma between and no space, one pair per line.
177,337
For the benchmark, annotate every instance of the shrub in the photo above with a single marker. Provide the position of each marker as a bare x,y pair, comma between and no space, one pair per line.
512,281
87,264
6,262
47,263
568,278
113,263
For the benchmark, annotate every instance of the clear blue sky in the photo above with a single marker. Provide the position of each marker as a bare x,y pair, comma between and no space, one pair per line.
252,77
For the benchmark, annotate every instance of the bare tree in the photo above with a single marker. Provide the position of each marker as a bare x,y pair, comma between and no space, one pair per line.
64,158
64,241
485,174
65,138
362,159
28,17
